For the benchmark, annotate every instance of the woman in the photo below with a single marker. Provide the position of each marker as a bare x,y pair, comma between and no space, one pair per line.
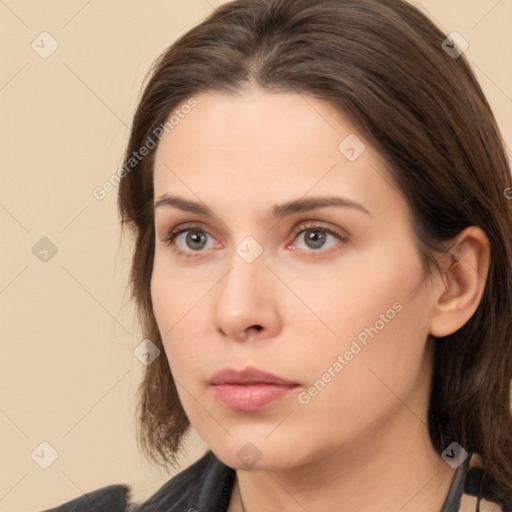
317,191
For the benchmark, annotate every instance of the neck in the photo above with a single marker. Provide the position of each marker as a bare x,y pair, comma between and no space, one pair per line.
398,470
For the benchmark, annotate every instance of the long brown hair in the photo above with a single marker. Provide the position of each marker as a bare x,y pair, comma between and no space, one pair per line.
381,63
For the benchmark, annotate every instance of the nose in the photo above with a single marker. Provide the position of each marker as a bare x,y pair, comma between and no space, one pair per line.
246,306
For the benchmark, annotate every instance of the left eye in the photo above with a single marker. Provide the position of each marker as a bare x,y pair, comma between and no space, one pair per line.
317,238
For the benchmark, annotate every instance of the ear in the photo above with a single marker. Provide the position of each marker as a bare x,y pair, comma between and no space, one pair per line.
462,282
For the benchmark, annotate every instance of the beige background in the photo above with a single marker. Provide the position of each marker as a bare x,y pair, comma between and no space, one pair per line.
68,373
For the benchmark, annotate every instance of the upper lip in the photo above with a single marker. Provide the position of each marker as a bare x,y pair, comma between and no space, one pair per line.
249,375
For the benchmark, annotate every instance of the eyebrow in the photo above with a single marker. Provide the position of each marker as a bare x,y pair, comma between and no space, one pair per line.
278,211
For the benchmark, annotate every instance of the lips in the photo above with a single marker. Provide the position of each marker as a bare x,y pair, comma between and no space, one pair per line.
250,389
249,375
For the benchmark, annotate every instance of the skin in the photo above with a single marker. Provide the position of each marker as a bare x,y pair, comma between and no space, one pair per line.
361,443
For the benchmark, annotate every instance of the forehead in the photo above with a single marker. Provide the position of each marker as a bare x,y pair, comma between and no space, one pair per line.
254,123
271,146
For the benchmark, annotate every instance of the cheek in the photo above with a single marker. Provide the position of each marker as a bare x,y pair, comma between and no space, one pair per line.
177,305
379,378
351,293
168,308
376,317
174,293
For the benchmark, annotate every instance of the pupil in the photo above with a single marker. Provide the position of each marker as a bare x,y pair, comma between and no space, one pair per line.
315,239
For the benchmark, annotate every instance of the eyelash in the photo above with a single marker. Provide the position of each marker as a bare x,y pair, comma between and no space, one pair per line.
311,226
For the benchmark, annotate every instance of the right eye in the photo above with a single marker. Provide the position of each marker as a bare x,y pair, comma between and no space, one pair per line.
188,240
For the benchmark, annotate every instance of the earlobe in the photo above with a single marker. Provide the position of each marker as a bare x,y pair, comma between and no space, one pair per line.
463,282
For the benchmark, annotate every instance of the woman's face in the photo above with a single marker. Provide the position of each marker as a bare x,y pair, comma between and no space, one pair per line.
330,297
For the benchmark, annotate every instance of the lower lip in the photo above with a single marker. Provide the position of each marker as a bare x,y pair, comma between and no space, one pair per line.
250,397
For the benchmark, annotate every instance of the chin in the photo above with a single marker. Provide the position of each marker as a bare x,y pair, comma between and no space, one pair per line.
255,453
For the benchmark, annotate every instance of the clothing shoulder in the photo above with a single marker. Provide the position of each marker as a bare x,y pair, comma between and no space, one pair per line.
114,498
204,485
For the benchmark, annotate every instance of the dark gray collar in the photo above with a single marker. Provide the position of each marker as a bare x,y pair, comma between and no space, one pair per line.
452,503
